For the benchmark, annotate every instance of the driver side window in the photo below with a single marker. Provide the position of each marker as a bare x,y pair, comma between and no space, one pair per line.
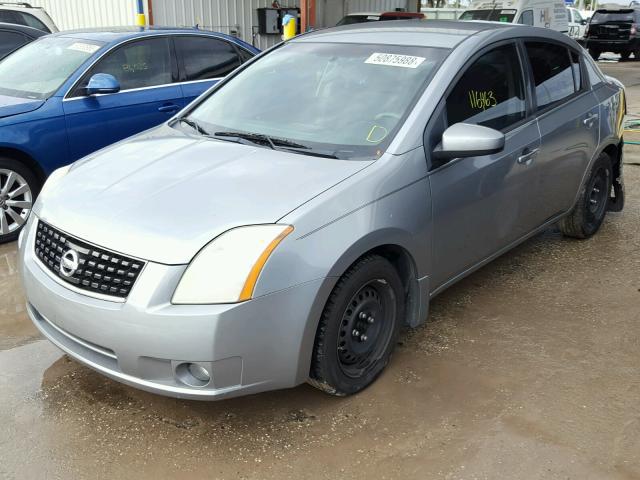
139,64
491,91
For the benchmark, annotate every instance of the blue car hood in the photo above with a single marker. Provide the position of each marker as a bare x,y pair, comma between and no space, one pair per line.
15,105
162,196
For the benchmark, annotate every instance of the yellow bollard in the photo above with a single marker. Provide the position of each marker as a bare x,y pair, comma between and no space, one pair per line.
141,21
288,27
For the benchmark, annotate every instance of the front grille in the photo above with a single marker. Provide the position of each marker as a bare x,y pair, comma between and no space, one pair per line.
98,270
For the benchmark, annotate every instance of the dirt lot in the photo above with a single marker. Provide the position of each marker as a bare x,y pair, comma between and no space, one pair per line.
527,369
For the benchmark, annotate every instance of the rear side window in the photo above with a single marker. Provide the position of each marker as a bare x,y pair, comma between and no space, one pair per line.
552,72
139,64
9,41
33,22
205,58
490,92
577,73
595,77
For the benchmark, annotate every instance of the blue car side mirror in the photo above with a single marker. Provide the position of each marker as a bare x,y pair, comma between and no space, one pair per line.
103,83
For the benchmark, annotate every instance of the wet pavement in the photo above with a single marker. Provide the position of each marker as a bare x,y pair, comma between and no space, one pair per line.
527,369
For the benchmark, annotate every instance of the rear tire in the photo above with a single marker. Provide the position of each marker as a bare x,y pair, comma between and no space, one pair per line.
587,215
359,327
595,54
19,187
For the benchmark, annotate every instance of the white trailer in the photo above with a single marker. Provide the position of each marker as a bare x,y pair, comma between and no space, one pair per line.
539,13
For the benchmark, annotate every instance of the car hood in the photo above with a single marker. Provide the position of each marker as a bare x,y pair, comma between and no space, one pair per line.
15,105
162,199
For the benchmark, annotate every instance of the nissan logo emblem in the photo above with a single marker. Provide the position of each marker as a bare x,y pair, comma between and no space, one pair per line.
69,263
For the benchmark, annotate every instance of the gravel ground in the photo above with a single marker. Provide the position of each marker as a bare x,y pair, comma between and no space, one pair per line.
527,369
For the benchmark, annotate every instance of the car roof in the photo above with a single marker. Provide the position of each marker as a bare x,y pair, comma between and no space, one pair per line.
29,31
118,34
428,33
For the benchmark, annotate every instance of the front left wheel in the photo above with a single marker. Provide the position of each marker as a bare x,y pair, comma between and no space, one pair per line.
359,327
18,189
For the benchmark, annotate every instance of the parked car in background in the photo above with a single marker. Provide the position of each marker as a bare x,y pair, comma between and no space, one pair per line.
69,94
13,37
21,13
537,13
249,244
613,29
364,17
577,24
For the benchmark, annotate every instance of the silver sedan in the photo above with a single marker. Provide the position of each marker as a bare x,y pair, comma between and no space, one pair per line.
286,225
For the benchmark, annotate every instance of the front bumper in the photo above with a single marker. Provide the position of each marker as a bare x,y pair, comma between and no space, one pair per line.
259,345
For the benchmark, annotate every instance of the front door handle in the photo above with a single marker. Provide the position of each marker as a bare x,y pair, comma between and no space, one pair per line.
169,107
527,156
590,120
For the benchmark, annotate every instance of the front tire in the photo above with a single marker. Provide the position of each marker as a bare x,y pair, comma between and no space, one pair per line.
359,327
595,54
19,187
587,215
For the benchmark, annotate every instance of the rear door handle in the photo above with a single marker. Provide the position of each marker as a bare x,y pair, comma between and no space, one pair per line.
591,118
527,156
169,107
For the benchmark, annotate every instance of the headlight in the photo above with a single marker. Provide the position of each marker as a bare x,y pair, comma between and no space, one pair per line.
227,269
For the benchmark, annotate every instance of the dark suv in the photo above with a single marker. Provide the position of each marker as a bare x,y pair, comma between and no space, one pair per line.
613,31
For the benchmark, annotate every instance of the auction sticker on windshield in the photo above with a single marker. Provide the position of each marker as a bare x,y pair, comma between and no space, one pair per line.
394,60
83,47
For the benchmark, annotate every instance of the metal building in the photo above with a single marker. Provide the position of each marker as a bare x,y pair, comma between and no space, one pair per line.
235,17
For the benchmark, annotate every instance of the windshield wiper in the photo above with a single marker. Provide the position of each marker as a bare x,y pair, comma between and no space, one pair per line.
195,125
272,142
275,143
312,153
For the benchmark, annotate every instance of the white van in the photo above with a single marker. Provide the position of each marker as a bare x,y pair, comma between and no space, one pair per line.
539,13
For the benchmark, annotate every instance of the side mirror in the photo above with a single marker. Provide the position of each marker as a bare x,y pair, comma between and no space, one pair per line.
102,83
583,22
468,140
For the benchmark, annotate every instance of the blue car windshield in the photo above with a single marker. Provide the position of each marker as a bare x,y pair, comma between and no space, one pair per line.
39,69
343,100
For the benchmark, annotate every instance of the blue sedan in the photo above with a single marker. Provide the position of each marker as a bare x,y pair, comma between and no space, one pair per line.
69,94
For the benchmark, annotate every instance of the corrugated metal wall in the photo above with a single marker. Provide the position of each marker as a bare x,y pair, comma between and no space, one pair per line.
73,14
379,5
235,17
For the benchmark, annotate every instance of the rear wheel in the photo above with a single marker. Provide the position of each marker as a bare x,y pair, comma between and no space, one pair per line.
590,209
18,189
595,54
358,328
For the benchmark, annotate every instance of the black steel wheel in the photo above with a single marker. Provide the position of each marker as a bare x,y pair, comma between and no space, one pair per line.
587,215
358,328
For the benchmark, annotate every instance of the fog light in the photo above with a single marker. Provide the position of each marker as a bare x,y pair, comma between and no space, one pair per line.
193,374
199,372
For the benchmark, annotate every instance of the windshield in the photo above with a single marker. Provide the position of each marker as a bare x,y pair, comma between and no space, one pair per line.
621,16
345,100
495,15
38,69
